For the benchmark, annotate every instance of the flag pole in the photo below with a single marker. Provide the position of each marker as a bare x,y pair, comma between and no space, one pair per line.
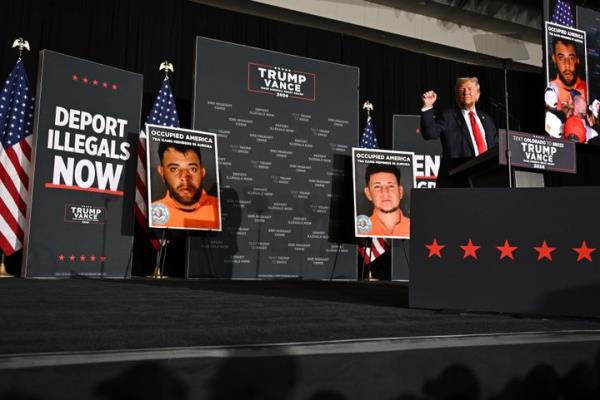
20,44
367,105
3,272
367,256
160,258
162,251
167,67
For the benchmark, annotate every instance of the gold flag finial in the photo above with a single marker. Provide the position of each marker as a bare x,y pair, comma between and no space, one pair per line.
369,107
167,67
20,44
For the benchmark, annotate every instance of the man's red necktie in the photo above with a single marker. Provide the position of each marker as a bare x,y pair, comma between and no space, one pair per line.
481,146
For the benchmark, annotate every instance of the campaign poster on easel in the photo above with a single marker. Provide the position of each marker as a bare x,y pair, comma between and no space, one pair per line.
86,130
382,183
183,179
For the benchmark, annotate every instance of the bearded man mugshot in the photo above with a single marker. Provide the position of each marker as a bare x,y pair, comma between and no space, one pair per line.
186,203
566,62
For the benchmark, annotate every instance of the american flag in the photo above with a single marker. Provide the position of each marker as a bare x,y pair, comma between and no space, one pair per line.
368,140
377,246
562,14
163,112
16,115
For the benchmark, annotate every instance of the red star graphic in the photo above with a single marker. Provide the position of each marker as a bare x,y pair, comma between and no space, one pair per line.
95,82
92,258
71,258
82,258
114,86
506,250
544,251
74,77
104,85
102,258
584,252
61,257
470,250
435,249
85,79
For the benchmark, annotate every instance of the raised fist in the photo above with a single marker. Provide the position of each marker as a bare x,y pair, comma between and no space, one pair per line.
429,98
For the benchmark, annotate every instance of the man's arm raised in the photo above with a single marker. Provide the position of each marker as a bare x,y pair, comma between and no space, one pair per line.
430,129
429,99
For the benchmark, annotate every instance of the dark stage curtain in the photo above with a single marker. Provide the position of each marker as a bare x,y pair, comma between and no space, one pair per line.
138,35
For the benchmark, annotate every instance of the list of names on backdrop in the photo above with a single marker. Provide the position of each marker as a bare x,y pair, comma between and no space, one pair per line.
285,126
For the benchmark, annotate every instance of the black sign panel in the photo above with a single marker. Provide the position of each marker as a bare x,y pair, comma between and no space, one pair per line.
427,159
428,153
286,126
86,134
538,152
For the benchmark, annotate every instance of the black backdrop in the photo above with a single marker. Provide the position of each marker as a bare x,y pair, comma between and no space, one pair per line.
138,35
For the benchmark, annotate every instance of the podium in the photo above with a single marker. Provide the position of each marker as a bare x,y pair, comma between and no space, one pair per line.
566,164
486,171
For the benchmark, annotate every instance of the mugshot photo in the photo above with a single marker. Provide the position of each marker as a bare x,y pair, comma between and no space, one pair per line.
566,59
382,183
183,187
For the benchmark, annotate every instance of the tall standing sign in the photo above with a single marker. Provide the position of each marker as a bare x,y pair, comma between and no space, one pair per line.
286,126
428,155
87,122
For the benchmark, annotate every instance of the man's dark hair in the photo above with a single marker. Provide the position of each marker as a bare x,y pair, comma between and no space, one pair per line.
182,148
375,168
565,42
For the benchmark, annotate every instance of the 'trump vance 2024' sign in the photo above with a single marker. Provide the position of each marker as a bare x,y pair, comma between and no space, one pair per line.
281,81
86,134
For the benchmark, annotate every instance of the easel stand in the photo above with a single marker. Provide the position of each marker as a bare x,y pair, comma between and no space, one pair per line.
508,154
160,258
3,272
366,266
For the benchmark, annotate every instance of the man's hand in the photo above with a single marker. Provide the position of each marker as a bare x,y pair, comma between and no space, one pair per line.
429,99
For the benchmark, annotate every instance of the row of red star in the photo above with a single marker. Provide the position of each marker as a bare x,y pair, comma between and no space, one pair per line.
507,251
72,258
94,82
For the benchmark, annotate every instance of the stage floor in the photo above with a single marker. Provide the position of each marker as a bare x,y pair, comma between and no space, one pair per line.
296,340
87,315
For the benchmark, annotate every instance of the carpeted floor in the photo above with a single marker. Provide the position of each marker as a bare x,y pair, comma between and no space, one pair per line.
80,315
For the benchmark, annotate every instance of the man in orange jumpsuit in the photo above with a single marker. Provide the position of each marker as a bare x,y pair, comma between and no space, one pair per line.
186,203
384,191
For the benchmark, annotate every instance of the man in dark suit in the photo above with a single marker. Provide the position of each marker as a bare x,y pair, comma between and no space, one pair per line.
464,131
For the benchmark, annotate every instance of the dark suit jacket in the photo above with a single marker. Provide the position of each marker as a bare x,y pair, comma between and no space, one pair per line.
451,128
